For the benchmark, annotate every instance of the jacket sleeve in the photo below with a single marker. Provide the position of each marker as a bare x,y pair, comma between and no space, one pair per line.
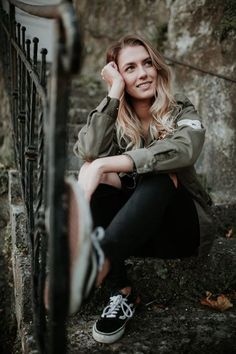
96,138
181,149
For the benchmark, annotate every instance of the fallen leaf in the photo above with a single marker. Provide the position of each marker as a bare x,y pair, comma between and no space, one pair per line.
221,303
229,234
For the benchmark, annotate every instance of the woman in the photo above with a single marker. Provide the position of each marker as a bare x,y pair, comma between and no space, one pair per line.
139,147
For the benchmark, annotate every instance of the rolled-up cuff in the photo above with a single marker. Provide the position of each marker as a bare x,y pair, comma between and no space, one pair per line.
143,160
110,106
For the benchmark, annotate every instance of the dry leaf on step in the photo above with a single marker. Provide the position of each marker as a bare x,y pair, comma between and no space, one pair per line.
221,303
229,233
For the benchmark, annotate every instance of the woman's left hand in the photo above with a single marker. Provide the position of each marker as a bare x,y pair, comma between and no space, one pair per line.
89,178
92,173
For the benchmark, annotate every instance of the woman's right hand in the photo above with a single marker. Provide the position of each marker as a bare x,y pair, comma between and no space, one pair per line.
114,80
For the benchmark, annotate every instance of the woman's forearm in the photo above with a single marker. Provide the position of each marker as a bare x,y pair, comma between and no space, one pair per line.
116,89
119,163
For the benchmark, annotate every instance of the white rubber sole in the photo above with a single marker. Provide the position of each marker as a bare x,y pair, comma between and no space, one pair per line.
79,231
107,338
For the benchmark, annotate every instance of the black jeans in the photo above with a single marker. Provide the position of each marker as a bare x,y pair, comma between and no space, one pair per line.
154,218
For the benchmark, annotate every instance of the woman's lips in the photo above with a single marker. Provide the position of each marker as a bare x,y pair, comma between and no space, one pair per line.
144,85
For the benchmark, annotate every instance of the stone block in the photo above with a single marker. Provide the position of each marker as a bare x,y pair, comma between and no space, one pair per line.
15,192
21,266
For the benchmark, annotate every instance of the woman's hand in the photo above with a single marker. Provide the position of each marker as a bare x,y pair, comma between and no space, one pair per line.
90,177
114,80
110,73
96,172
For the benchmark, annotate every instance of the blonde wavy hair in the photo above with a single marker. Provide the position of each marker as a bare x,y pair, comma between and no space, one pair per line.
128,126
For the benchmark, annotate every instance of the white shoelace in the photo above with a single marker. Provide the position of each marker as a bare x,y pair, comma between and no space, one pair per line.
118,302
96,237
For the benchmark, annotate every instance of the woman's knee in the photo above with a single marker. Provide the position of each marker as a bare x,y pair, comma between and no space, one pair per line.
155,188
158,180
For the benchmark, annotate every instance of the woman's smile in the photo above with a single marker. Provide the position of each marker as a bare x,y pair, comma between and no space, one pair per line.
144,85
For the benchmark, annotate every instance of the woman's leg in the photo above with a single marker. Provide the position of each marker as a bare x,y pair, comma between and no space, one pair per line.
133,227
156,212
105,204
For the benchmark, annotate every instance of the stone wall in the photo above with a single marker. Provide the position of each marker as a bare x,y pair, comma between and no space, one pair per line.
102,23
201,33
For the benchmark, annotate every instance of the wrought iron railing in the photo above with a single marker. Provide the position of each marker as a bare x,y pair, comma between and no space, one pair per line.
39,131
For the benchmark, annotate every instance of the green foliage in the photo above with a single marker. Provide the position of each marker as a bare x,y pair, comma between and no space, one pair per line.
159,37
228,20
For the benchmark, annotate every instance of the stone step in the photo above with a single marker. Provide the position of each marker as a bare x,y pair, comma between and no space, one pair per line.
21,266
171,318
181,326
87,92
81,101
72,131
78,115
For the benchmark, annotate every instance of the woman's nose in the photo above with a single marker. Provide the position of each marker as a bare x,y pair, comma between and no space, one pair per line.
142,72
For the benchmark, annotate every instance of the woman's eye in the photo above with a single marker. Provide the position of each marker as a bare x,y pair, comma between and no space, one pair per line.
148,63
129,69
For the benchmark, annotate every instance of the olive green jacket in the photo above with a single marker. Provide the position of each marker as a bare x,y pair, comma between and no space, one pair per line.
176,153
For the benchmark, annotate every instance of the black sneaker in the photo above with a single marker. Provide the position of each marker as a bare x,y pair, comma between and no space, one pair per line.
111,326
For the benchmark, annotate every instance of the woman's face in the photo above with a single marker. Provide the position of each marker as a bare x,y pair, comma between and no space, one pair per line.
138,72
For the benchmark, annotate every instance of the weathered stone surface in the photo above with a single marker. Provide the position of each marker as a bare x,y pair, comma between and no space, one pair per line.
102,23
21,266
170,318
203,33
224,219
15,195
8,327
183,326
